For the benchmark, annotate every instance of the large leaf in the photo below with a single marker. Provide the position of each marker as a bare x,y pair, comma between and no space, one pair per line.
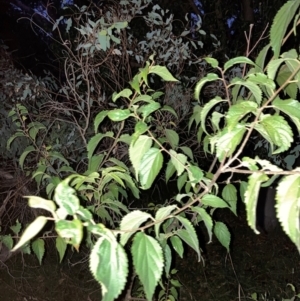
148,261
237,60
137,150
150,166
172,137
179,161
163,72
130,224
109,266
213,201
288,210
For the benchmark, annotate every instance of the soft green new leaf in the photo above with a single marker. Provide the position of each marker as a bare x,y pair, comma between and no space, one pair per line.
148,262
31,231
256,91
213,62
223,235
163,72
237,60
94,142
206,218
61,247
38,202
72,231
160,216
119,114
178,161
137,150
131,223
25,153
291,108
278,130
238,112
251,197
177,245
228,140
135,84
143,98
287,207
172,138
109,266
280,24
150,166
16,228
189,234
124,93
99,118
229,194
38,248
213,201
65,197
208,78
206,109
140,128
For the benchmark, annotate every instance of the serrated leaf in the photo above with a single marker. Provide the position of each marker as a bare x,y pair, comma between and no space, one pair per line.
130,224
251,197
206,218
222,233
208,78
148,262
160,216
170,170
163,72
177,245
189,234
178,161
150,166
31,231
109,266
187,151
229,194
168,259
172,137
213,201
137,150
237,60
287,207
61,247
38,248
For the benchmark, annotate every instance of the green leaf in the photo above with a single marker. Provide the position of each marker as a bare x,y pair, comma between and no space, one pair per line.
12,138
195,174
207,108
208,78
99,118
119,114
38,248
237,60
131,223
31,231
223,235
163,72
38,202
95,140
278,130
170,110
178,161
170,170
251,197
95,162
177,245
168,259
140,128
72,231
280,24
213,62
261,59
181,181
287,207
172,137
160,216
256,91
273,66
213,201
189,234
229,194
187,151
148,262
137,150
109,266
124,93
291,108
61,247
27,151
135,84
206,218
150,166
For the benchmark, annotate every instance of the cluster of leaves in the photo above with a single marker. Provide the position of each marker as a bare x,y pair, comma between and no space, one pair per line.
223,126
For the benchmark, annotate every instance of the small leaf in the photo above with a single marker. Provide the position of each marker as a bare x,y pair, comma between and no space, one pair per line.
213,201
38,202
25,153
206,218
160,216
208,78
61,247
148,262
163,72
177,245
38,247
223,235
94,142
99,118
172,137
118,114
178,161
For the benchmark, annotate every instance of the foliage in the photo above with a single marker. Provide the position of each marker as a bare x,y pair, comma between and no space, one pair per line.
90,187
